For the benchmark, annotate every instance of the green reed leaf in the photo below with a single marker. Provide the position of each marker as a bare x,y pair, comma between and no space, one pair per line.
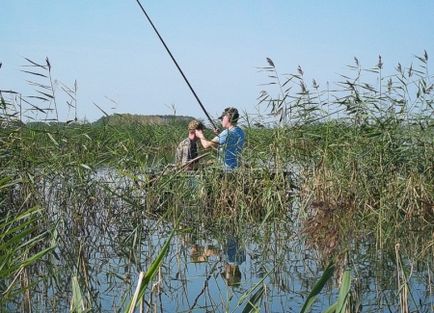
144,279
251,305
328,273
52,139
343,292
77,301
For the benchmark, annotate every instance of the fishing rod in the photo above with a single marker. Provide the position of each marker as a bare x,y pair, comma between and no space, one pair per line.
177,65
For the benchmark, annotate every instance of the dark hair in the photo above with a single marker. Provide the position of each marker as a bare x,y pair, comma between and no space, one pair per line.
232,113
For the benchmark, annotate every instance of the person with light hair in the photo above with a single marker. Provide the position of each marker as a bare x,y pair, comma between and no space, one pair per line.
187,149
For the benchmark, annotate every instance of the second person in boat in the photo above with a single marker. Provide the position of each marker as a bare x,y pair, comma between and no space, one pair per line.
229,142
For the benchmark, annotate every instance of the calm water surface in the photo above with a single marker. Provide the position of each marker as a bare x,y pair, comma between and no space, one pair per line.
106,238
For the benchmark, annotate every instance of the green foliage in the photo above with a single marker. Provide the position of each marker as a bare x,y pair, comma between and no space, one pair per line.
362,161
77,301
344,292
327,274
251,306
136,119
145,278
22,244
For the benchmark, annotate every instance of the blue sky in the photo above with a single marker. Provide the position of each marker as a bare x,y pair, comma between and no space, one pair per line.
112,52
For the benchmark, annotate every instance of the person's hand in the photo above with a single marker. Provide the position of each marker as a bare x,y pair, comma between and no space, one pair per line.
199,133
216,131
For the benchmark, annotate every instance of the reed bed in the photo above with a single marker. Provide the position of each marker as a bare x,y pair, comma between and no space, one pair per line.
339,166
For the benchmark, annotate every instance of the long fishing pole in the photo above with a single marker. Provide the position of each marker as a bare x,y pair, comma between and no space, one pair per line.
177,65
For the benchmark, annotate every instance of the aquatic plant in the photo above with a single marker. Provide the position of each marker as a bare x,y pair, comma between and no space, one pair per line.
335,169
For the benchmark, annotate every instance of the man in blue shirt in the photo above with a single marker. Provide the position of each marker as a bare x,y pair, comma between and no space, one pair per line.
229,142
235,255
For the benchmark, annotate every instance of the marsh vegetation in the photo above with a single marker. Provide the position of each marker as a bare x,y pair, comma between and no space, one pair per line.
340,177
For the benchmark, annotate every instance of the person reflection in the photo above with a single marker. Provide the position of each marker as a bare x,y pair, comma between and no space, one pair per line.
200,254
234,256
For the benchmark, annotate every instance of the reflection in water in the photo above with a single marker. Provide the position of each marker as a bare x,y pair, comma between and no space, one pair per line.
234,257
106,237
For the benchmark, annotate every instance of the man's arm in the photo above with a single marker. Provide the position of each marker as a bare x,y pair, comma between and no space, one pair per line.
205,142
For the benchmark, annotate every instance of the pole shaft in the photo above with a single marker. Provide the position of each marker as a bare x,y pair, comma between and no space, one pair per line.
177,65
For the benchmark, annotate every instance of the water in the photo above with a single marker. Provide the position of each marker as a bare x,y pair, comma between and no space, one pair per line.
106,241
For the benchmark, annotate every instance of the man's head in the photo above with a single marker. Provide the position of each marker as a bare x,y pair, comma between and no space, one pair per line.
192,127
197,254
232,114
195,124
232,274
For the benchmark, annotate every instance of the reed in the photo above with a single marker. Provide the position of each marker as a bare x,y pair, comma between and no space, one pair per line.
23,243
341,165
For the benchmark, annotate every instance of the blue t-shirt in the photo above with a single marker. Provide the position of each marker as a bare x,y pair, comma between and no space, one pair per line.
231,142
235,254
